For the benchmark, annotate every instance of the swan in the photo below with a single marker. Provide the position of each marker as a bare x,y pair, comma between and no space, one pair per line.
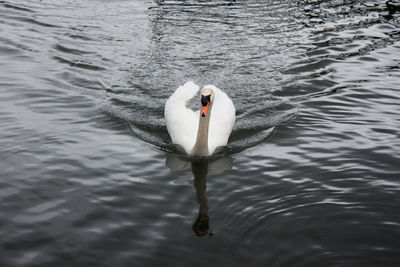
199,132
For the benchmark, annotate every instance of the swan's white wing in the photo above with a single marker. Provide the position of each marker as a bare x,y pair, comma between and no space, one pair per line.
182,122
221,121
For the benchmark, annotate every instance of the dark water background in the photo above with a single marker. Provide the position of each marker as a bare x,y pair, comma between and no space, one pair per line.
88,176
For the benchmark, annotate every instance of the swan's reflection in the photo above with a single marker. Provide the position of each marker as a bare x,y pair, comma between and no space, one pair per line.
202,224
200,168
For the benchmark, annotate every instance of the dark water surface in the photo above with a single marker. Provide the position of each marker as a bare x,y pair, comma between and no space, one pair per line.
88,175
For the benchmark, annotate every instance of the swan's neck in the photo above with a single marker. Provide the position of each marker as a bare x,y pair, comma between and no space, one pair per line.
200,148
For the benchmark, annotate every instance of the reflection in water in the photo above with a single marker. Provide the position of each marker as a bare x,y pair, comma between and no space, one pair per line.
202,224
182,165
200,168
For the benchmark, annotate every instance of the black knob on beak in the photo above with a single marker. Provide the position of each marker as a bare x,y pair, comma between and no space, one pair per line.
205,99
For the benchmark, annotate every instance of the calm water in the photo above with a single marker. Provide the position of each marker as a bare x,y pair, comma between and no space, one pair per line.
88,175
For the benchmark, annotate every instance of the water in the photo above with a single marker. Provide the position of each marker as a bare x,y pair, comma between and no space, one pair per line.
88,176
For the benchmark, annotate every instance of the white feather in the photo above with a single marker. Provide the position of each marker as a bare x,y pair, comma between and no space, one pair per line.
221,121
182,122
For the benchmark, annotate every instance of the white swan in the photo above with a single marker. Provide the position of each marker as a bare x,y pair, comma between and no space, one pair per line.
199,134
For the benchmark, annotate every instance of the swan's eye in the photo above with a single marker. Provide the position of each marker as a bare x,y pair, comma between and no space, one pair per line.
205,99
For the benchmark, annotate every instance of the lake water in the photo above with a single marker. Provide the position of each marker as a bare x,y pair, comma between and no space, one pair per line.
88,174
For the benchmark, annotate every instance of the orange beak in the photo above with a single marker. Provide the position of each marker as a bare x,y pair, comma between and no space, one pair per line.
204,110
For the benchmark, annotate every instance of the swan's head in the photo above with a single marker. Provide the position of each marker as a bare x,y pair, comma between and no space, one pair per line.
206,99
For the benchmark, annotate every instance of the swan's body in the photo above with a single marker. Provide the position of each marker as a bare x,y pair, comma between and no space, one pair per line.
198,135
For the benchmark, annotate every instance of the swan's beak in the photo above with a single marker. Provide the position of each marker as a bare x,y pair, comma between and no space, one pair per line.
204,109
205,103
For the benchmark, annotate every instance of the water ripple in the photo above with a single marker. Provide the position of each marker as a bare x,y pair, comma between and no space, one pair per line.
309,177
